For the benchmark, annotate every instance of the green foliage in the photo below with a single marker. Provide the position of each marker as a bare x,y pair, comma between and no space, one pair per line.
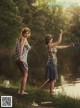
24,10
41,18
10,23
75,22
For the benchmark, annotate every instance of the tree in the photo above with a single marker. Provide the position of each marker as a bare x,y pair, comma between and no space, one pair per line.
75,22
10,23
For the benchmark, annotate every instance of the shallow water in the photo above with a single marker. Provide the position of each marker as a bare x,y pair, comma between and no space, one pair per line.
69,89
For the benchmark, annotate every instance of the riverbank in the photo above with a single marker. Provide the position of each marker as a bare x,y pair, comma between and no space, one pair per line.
38,99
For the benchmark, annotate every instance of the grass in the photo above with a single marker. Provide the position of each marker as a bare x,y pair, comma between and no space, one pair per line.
25,101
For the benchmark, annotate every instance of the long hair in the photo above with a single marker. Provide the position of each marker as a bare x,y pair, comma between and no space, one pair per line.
24,30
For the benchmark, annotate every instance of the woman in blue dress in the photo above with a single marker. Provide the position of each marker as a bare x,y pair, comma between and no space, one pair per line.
22,49
51,66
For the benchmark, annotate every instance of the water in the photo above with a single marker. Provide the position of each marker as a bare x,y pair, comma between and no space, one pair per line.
69,89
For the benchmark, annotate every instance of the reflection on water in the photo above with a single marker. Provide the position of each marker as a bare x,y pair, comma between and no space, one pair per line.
72,90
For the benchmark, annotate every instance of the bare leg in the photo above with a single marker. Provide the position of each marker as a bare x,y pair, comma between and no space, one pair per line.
23,82
51,86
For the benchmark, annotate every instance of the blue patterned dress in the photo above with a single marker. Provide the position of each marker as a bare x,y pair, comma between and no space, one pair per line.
51,66
23,62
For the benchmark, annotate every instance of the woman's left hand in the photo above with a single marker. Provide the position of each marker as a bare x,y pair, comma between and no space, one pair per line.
61,31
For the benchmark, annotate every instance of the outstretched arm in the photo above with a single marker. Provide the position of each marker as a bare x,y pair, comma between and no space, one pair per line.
64,46
59,39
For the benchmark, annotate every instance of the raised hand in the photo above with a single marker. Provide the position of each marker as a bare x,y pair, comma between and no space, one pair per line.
61,31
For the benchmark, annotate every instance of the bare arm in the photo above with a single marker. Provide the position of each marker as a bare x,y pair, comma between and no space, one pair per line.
59,39
22,46
21,50
63,46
